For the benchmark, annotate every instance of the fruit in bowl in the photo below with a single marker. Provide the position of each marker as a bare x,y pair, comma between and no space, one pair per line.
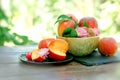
82,46
65,21
49,48
83,38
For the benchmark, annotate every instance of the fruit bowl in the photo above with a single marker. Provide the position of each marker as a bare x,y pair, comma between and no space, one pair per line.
81,46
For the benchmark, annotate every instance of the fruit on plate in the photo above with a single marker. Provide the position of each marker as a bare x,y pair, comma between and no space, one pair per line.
89,22
107,46
28,56
45,43
65,21
39,55
55,49
58,49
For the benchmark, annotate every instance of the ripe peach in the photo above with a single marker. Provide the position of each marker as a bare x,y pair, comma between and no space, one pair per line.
65,24
45,43
89,22
107,46
39,55
58,49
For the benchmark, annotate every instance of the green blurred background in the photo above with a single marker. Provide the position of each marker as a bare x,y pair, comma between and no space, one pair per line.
26,22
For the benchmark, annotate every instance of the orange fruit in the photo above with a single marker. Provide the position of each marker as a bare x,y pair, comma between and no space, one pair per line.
58,49
45,43
65,24
65,21
89,22
107,46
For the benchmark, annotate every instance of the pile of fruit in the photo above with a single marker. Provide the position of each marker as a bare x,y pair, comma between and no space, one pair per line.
69,26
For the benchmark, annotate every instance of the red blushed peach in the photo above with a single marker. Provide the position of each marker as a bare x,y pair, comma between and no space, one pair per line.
45,43
89,22
58,49
39,59
58,56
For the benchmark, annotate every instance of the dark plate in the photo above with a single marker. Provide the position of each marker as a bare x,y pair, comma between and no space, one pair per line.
68,59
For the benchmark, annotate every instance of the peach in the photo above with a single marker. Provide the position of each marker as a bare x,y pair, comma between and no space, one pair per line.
89,22
107,46
58,49
45,43
39,55
65,24
65,21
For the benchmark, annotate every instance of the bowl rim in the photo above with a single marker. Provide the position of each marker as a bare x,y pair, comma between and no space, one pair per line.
78,38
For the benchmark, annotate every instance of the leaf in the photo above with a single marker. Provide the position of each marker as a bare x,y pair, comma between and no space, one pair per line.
76,24
85,24
20,40
69,32
2,15
63,18
6,35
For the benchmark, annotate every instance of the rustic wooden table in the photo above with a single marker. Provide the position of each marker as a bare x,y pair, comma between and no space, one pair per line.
11,68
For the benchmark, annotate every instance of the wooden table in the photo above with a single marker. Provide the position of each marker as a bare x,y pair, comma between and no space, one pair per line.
11,68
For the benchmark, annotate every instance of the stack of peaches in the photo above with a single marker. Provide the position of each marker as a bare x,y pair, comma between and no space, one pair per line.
69,26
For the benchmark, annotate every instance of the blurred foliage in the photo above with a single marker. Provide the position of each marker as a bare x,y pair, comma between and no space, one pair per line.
6,35
36,18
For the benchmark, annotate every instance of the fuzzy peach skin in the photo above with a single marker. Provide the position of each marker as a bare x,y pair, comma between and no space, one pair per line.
107,46
45,43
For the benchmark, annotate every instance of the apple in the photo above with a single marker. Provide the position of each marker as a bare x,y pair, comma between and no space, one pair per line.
58,49
28,56
39,55
45,43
